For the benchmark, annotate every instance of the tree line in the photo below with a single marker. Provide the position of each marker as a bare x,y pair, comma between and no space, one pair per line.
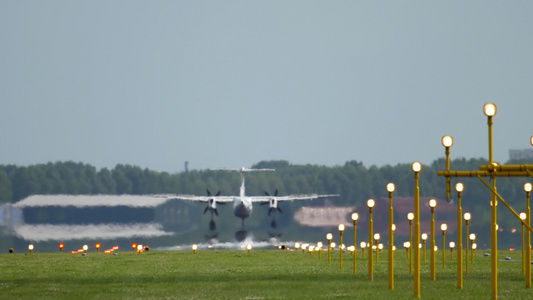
353,181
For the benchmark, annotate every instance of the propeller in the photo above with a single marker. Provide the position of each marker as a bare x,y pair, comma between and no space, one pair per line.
212,204
209,193
275,193
273,203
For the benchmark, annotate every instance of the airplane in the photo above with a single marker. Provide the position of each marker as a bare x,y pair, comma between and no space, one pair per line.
242,204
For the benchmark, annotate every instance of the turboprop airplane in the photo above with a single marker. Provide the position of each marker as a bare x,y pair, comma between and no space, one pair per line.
242,204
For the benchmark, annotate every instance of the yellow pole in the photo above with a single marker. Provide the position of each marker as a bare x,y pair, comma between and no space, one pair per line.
447,142
411,249
329,237
424,242
377,251
417,167
355,216
451,253
459,188
444,248
490,110
341,230
472,254
433,268
472,249
370,204
390,189
494,244
523,249
527,188
466,252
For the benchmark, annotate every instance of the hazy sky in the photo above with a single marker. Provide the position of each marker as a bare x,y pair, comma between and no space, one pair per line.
231,83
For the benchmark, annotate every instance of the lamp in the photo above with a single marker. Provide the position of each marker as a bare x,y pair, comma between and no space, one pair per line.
319,247
30,248
85,248
447,141
249,248
61,246
341,230
433,204
363,246
489,109
194,248
370,203
443,227
355,217
390,188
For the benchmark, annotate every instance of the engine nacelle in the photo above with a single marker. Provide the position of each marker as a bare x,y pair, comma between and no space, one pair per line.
212,203
273,203
211,206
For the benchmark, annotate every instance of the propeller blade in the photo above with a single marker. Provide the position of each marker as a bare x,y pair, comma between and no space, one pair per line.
205,210
208,192
267,193
218,194
216,211
276,193
279,209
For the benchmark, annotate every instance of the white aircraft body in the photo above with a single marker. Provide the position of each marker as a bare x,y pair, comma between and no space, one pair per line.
242,204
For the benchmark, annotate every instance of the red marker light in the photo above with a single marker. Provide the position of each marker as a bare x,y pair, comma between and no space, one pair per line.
61,246
97,246
134,246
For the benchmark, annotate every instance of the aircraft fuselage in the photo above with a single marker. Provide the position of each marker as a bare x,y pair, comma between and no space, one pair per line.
242,207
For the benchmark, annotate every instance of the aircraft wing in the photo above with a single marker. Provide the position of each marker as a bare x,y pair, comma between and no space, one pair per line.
200,198
289,198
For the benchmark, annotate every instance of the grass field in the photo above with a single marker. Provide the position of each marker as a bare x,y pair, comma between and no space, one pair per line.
261,274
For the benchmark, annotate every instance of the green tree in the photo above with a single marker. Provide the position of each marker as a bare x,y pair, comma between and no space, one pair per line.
6,192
